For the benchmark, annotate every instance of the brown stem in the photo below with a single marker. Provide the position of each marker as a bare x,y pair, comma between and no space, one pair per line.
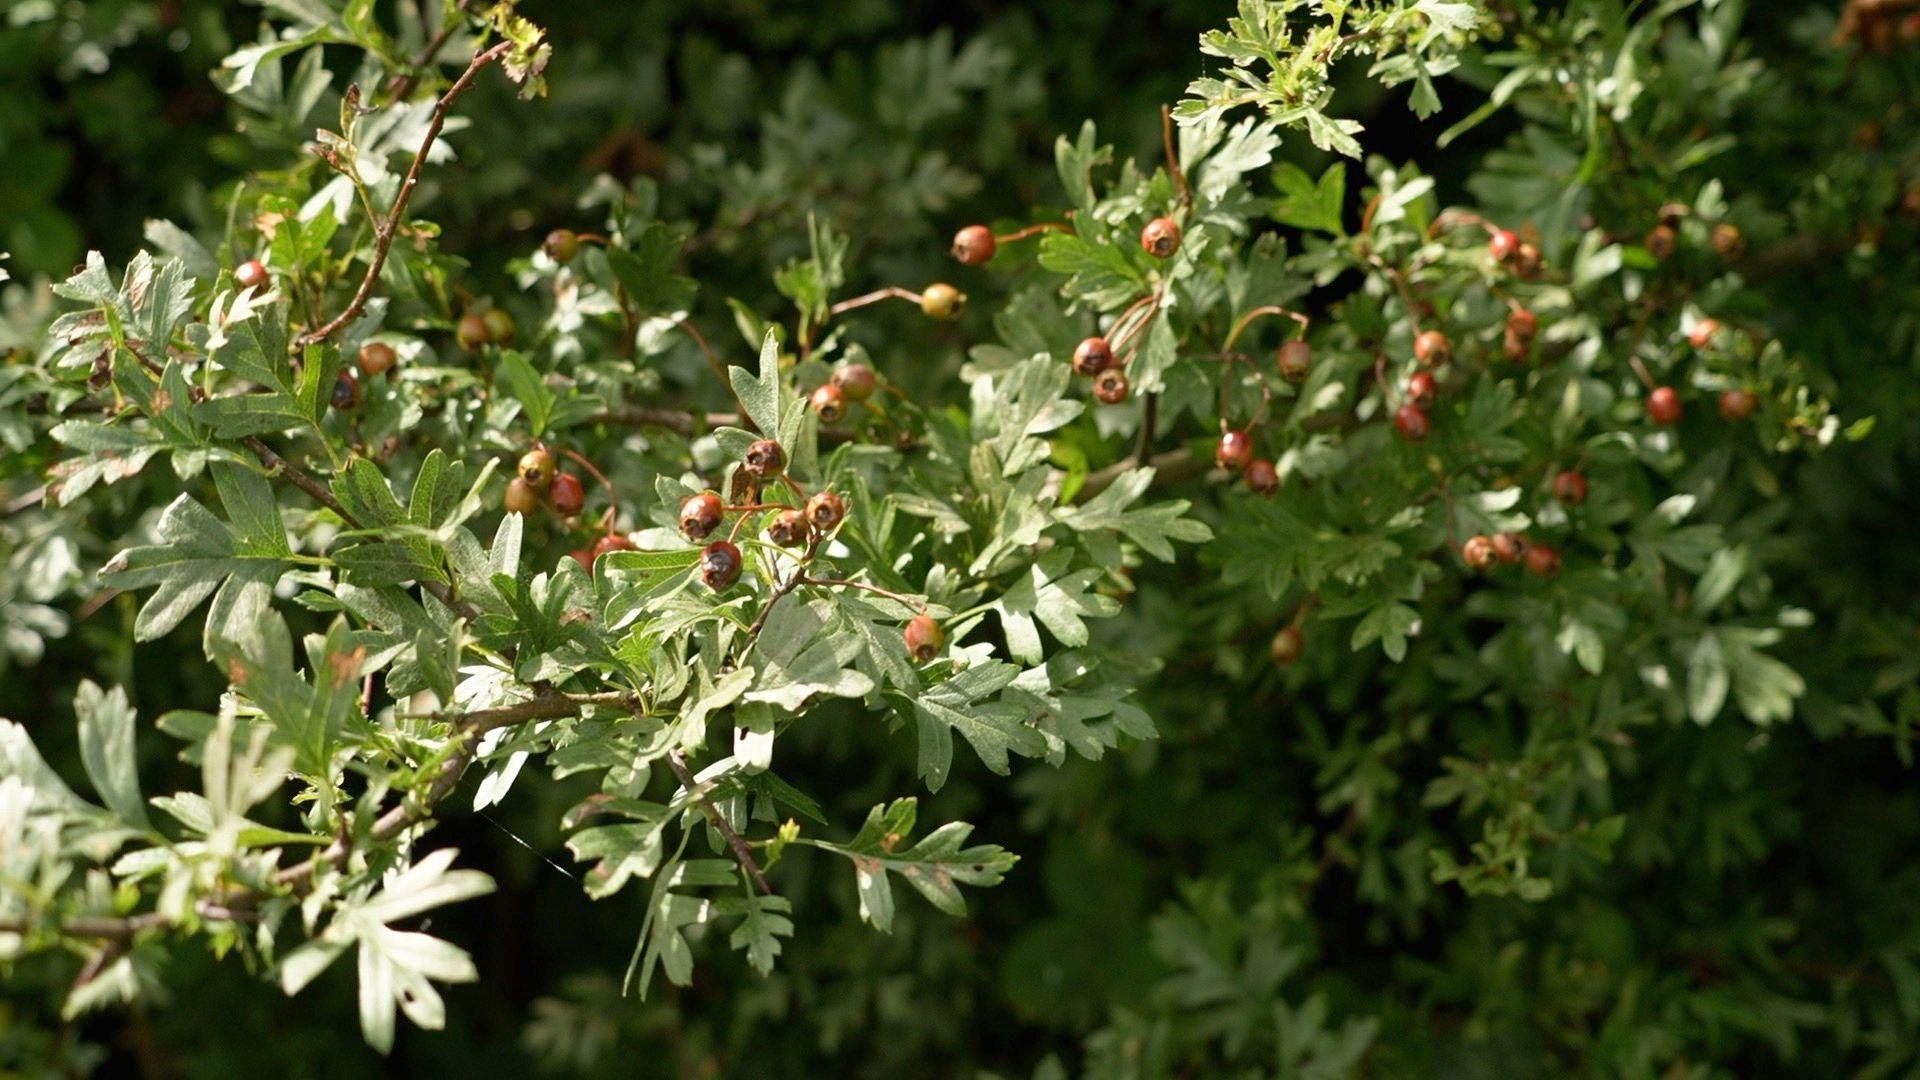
1169,465
1149,409
613,497
402,85
891,292
740,849
1268,309
843,583
1173,159
1034,230
385,230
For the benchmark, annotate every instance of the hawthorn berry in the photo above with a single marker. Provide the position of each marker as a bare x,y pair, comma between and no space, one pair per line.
719,565
346,391
1673,213
1161,237
1261,476
583,556
700,515
1523,323
1542,560
1526,262
377,358
251,274
1421,389
1295,360
1432,348
856,381
1661,241
536,469
1570,488
566,494
790,528
1663,406
561,245
1703,333
501,329
942,301
472,333
1111,386
766,458
613,542
1727,241
1738,405
521,497
1507,547
1478,552
1092,356
829,403
974,245
1235,450
1411,422
826,510
1503,245
1288,645
924,638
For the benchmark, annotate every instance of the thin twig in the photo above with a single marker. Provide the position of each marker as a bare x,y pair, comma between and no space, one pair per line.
891,292
1173,159
843,583
402,85
740,849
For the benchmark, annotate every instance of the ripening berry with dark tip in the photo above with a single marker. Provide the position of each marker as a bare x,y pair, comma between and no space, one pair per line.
765,458
536,468
856,381
566,495
1738,405
1663,406
1523,323
1111,386
521,498
1161,237
942,301
1661,241
974,245
1295,360
1478,552
501,329
700,515
829,403
561,245
1570,488
471,332
1507,547
826,511
251,274
1411,422
1421,388
1261,477
346,391
1234,451
1287,646
1092,356
924,638
719,565
1542,559
790,528
1727,241
1503,245
1526,262
377,358
1703,333
1432,348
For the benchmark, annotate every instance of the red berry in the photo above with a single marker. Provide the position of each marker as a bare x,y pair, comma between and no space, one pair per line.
974,245
1161,237
1542,560
856,381
472,333
1661,242
1411,422
790,529
1570,488
252,274
700,515
377,358
1503,245
924,638
583,556
1506,547
1522,322
1738,405
829,403
1432,348
766,458
346,391
536,469
566,495
1092,356
1663,406
1703,333
1478,552
521,497
1295,360
1111,386
942,301
561,245
1235,450
719,565
1261,476
826,510
613,542
1288,645
1421,388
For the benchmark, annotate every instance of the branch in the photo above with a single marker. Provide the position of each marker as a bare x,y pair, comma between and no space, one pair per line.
740,849
384,231
402,85
1171,465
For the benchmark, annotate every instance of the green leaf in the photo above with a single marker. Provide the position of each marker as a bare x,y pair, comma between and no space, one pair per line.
763,922
994,729
107,750
1306,205
1153,527
936,867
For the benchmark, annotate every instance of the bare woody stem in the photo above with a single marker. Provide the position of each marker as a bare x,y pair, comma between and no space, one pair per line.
1034,230
1173,158
891,292
402,85
698,794
842,583
385,229
1269,309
